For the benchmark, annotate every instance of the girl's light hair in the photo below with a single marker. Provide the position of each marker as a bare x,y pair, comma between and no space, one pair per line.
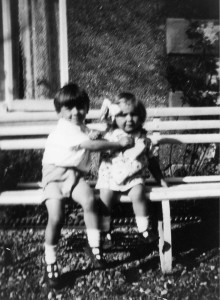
138,105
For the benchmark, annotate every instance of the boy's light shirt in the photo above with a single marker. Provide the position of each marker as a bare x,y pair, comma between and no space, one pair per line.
63,146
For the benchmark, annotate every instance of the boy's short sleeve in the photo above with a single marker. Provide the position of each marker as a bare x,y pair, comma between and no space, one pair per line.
63,146
72,135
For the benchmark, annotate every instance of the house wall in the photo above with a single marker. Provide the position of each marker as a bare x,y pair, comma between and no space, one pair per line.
113,46
121,45
2,76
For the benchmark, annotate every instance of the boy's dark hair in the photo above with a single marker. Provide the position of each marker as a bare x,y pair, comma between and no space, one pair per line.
71,95
139,106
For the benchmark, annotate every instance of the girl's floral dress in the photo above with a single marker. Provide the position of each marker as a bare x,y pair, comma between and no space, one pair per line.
122,170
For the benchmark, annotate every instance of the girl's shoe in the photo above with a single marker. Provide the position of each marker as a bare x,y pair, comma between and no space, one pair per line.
148,236
107,240
96,256
52,275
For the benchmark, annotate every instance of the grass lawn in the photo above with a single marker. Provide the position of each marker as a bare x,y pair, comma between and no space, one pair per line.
133,269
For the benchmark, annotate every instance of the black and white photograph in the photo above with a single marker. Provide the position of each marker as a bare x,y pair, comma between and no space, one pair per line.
109,150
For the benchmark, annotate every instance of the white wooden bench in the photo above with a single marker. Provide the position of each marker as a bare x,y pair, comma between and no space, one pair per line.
25,124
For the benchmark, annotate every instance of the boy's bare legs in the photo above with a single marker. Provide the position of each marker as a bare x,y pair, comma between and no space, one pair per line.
84,195
55,208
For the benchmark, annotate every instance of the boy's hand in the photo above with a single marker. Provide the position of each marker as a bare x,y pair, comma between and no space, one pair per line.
126,142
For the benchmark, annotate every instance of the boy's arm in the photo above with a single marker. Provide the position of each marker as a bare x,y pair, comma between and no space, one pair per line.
102,145
155,170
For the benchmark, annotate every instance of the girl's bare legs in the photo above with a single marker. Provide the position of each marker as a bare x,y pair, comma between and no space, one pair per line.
84,195
107,198
140,206
139,201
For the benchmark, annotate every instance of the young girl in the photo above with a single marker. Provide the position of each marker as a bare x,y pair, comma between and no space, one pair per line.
66,159
123,171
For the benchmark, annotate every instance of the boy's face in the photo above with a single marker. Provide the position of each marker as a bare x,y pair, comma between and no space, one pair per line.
128,119
75,115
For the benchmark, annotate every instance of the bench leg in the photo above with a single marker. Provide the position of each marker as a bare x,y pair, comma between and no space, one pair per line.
165,243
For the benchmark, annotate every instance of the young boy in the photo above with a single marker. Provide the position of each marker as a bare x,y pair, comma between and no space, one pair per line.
66,159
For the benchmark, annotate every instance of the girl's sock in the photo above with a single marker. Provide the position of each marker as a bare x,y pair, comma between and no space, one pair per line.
94,238
142,223
50,253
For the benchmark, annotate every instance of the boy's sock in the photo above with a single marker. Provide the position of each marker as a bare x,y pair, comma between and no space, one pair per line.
50,253
142,223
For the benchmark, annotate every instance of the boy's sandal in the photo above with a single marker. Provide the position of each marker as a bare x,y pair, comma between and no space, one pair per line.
52,275
96,257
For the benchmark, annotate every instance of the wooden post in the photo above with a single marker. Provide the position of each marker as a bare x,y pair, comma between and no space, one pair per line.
8,64
165,242
40,49
164,226
63,42
25,35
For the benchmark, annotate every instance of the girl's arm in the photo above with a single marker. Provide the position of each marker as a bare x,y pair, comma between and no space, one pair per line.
153,163
155,170
102,145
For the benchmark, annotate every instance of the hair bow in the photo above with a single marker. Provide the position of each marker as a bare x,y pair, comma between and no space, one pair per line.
109,109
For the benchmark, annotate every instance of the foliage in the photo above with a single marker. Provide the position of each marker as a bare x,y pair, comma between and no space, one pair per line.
189,160
198,79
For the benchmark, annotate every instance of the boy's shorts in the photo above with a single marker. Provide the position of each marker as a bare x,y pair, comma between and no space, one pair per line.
59,182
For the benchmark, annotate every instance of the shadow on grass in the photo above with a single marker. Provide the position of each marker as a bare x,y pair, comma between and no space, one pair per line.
132,274
194,240
68,279
190,242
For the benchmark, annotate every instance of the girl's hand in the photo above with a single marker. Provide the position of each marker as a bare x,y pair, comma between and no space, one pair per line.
163,183
95,134
126,141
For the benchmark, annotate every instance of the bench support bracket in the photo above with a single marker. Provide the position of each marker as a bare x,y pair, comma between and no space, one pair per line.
165,243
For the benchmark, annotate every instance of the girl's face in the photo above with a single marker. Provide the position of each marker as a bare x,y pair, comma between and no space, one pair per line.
75,115
128,120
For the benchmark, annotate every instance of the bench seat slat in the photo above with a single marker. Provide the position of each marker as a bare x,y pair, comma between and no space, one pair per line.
173,180
180,192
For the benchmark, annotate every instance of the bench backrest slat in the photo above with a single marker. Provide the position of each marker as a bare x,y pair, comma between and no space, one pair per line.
17,129
39,143
28,123
39,105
